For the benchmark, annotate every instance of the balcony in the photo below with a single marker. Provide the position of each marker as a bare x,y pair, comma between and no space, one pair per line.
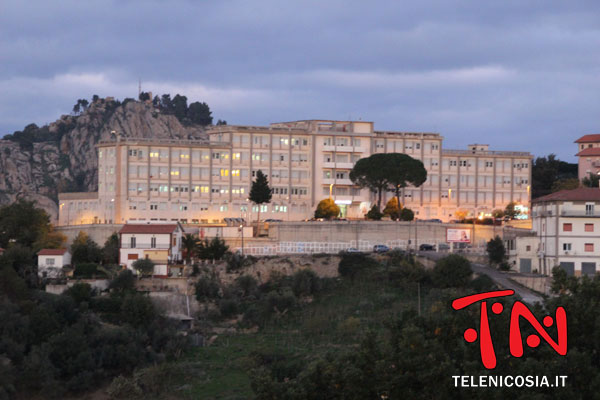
332,181
580,213
145,246
339,165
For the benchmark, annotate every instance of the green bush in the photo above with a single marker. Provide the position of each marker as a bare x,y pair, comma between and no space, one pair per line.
228,308
276,302
125,281
452,271
305,283
88,271
352,264
80,292
207,287
374,213
246,285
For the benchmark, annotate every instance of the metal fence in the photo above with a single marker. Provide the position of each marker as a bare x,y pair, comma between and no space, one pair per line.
336,247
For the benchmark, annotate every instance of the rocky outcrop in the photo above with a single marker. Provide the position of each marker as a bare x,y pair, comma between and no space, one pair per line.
68,160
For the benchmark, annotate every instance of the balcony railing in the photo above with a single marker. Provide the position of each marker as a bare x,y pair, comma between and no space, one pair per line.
145,246
580,213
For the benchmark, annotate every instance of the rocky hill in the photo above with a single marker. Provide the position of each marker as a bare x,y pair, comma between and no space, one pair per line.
38,163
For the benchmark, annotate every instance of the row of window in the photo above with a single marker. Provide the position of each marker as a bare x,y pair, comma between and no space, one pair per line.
568,227
587,247
164,206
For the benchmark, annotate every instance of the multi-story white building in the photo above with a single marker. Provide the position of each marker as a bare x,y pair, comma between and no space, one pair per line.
305,161
159,242
567,234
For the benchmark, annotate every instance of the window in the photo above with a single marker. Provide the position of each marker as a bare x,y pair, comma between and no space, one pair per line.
567,227
50,261
589,247
132,242
589,209
528,248
567,246
589,227
153,242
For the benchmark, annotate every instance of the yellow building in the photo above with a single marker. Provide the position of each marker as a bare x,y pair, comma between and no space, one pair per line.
305,162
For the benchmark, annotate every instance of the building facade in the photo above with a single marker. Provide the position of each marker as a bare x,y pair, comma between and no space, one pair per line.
567,234
305,161
161,243
51,261
588,153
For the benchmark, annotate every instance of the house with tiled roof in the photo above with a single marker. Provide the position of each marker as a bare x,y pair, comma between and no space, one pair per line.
159,242
567,234
51,261
588,153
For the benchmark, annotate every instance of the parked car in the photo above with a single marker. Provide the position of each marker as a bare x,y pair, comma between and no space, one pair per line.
380,248
443,246
273,220
426,247
352,250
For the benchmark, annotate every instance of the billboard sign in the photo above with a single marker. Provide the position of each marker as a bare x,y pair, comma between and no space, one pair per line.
456,235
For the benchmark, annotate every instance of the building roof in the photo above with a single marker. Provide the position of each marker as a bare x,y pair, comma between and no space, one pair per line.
52,252
589,139
148,228
590,151
579,194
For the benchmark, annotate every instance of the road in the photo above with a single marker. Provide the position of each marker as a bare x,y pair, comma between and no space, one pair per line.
528,296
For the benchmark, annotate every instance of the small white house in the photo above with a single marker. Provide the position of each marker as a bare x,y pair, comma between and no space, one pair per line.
51,261
159,242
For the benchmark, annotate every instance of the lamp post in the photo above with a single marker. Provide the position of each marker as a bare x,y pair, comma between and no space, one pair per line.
242,232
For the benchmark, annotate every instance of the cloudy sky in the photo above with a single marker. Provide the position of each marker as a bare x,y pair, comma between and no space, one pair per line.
519,75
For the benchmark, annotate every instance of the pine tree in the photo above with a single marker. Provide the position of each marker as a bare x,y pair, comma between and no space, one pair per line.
260,192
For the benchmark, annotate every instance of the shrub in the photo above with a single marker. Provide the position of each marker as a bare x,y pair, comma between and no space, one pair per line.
374,213
452,271
80,292
87,271
305,283
247,284
144,266
228,307
407,272
125,281
138,310
327,209
207,287
496,251
406,214
276,302
392,209
352,264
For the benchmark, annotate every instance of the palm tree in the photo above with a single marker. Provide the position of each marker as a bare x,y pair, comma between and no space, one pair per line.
189,242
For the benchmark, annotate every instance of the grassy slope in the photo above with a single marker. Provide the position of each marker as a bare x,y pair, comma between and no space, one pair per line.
336,318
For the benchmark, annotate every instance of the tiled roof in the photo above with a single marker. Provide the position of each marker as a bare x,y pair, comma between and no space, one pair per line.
52,252
588,139
580,194
590,151
148,228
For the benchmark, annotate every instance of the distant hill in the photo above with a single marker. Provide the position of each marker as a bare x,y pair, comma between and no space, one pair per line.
39,162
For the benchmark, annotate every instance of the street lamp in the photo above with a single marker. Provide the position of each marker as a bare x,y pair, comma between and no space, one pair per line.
242,232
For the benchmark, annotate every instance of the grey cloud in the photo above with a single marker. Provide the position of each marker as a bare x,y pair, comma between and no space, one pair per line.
519,75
